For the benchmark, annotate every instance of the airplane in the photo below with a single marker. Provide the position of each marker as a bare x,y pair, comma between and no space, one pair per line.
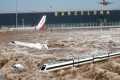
38,46
47,67
104,2
40,26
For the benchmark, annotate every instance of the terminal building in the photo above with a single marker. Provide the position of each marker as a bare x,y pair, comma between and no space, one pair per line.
63,18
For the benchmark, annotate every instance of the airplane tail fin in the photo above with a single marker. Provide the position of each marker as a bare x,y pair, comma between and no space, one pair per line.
41,24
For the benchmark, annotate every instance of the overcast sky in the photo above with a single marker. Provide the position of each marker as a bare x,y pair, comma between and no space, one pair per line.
53,5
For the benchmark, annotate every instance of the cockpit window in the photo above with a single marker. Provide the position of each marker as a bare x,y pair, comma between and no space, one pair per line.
43,67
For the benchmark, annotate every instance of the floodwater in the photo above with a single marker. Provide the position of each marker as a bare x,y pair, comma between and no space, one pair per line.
62,45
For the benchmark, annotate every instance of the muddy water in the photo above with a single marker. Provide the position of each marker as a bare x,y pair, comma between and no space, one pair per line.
72,42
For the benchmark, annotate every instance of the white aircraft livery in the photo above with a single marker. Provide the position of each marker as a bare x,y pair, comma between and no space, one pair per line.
38,46
41,24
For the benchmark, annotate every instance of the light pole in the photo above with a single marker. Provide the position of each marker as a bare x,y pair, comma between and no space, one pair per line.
16,14
23,22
